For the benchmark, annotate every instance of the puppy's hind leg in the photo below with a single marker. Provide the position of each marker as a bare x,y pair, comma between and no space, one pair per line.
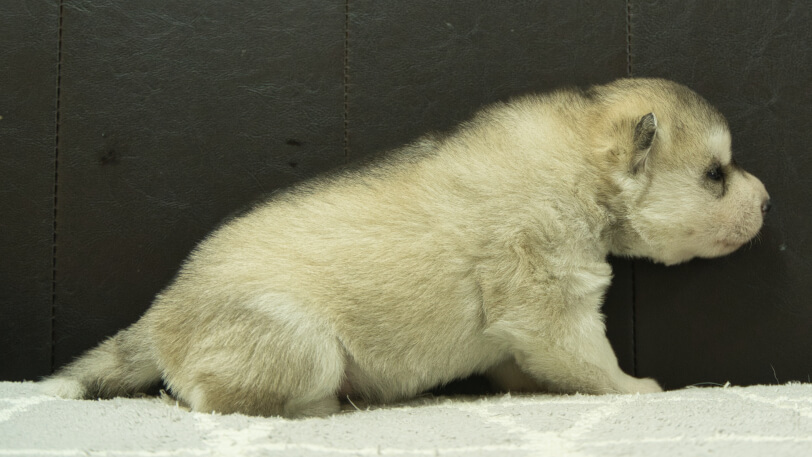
225,399
269,360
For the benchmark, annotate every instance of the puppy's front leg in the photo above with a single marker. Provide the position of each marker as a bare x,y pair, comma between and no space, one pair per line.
571,354
557,336
577,357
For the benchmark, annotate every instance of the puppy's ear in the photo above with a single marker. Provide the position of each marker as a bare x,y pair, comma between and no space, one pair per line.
644,134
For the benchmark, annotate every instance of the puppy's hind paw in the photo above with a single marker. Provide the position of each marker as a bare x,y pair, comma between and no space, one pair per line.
62,387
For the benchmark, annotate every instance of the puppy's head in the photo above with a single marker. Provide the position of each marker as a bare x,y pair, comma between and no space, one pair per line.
680,193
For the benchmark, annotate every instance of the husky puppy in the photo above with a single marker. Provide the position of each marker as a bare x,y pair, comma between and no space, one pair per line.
483,251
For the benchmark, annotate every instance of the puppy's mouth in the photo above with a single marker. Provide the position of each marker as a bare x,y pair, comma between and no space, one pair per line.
731,245
739,237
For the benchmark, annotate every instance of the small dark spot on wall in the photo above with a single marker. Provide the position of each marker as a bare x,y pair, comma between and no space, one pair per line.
109,158
292,142
293,164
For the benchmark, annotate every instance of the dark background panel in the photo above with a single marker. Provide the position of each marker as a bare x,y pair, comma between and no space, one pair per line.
28,76
619,309
175,115
422,66
745,318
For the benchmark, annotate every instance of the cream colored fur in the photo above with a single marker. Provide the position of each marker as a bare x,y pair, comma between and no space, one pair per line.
483,251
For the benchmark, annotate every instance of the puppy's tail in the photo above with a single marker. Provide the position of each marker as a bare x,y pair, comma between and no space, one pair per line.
122,365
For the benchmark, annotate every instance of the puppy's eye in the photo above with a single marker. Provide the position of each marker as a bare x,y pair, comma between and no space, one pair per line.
716,173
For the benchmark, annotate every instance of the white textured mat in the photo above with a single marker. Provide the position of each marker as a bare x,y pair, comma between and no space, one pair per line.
752,421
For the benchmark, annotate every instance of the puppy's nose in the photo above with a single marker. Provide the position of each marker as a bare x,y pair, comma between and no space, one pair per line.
765,207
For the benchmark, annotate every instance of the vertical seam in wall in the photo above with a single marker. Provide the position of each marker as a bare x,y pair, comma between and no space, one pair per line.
56,179
634,319
630,73
346,82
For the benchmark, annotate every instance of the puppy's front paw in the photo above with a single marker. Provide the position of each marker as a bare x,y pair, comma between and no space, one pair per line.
646,386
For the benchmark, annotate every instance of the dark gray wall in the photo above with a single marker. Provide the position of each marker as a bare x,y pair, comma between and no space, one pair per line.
28,97
162,118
